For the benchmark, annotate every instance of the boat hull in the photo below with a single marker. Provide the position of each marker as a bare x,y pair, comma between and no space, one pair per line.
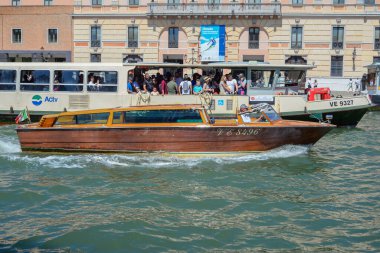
339,118
168,139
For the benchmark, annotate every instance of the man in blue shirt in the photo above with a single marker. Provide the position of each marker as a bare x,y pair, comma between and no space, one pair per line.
130,85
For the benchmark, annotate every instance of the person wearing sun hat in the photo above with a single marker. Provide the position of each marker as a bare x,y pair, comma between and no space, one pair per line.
245,116
207,85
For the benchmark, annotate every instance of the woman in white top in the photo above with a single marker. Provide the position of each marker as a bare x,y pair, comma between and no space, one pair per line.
232,84
91,83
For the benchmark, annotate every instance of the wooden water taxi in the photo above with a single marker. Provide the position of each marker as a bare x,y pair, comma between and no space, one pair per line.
166,128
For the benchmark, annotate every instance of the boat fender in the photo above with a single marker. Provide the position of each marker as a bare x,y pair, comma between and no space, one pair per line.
339,96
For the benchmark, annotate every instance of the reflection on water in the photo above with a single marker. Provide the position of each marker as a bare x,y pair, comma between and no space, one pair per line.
324,198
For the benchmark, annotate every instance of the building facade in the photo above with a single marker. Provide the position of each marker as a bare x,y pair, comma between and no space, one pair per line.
340,37
36,30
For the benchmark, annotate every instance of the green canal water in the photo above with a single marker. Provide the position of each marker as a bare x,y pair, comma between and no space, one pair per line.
293,199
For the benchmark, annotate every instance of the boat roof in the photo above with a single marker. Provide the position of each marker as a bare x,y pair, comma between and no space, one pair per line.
157,65
131,108
250,64
60,64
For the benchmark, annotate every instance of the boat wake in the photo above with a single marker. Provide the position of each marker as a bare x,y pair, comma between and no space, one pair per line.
8,140
141,160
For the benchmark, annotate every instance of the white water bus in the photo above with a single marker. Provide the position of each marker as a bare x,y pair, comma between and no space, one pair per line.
46,88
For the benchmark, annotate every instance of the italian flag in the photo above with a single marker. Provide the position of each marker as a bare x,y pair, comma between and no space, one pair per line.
24,115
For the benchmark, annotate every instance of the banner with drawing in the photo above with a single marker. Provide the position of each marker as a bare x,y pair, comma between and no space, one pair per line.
213,43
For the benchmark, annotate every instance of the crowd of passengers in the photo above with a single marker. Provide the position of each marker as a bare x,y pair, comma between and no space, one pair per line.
184,85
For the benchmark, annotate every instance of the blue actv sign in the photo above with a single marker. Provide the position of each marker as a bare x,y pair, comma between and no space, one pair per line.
37,100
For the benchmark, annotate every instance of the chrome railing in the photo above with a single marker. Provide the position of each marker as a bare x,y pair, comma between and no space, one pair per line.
236,9
253,44
96,43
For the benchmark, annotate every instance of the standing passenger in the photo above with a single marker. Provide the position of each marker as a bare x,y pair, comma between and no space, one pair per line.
357,85
197,88
232,84
315,83
178,79
136,85
130,85
172,86
207,86
242,85
163,87
350,85
185,87
91,83
147,85
309,83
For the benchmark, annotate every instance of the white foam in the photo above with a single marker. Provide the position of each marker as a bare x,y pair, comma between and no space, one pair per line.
11,151
281,152
9,147
8,140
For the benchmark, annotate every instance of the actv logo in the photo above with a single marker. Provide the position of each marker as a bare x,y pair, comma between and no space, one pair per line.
37,100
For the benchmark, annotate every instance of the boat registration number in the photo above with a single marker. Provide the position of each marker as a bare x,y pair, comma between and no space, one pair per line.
342,103
237,132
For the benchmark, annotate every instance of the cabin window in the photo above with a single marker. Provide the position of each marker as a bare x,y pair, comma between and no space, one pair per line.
34,80
7,79
94,118
262,79
68,80
66,120
295,78
160,116
118,118
290,78
102,81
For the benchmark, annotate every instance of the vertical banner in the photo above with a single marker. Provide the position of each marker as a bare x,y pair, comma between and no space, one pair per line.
213,42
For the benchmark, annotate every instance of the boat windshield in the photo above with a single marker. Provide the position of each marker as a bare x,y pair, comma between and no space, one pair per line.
272,114
259,111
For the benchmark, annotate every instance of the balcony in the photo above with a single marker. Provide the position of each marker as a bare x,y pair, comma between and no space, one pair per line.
253,44
337,45
96,43
133,43
173,44
377,45
296,45
196,9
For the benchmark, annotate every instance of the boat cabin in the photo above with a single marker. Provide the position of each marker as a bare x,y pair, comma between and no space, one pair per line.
184,115
134,115
373,79
262,78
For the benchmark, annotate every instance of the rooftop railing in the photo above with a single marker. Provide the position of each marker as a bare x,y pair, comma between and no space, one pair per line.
234,9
